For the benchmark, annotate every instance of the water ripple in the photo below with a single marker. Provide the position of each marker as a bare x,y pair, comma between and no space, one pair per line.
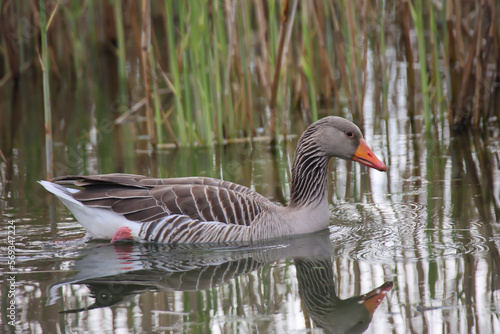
400,232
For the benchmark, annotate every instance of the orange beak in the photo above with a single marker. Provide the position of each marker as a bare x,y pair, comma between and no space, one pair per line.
373,298
365,156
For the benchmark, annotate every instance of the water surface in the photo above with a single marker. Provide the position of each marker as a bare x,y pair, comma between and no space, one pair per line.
430,225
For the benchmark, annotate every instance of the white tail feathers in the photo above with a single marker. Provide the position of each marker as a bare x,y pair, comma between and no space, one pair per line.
100,223
63,193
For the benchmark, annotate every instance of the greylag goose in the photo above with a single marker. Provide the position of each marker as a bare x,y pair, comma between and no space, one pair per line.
205,210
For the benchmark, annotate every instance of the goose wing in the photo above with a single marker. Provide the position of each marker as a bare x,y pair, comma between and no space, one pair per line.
143,199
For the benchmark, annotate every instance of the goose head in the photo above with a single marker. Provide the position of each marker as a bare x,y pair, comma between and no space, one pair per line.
337,137
327,138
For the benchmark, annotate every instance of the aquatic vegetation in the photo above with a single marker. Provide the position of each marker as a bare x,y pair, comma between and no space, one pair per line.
205,73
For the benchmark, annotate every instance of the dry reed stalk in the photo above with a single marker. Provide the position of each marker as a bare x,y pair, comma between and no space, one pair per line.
304,96
277,67
325,65
285,104
8,24
364,57
458,30
164,117
238,69
231,28
262,61
357,109
452,54
157,49
340,53
135,22
404,21
479,71
461,112
158,109
45,65
483,91
146,69
494,41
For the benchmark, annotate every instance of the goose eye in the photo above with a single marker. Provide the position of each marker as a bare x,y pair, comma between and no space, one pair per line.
348,133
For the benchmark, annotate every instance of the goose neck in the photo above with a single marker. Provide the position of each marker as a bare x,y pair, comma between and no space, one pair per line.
309,176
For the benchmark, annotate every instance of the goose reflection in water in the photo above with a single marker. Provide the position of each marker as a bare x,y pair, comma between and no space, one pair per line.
329,312
115,273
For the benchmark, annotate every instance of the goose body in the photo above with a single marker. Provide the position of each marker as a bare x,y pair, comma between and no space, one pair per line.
203,210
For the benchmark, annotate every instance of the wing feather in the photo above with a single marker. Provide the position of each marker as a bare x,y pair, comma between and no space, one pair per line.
124,206
144,199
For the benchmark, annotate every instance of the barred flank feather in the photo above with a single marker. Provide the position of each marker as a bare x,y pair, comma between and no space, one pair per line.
182,229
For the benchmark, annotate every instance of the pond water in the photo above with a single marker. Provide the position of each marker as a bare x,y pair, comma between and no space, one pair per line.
430,225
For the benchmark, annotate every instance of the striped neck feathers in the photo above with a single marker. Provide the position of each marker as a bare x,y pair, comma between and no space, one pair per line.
309,172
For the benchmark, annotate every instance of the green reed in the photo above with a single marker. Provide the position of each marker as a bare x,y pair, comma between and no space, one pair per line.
121,49
174,72
306,62
417,15
383,65
201,43
218,52
187,93
230,19
156,100
247,61
214,61
435,62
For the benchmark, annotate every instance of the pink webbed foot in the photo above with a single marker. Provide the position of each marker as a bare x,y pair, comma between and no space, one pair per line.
123,233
